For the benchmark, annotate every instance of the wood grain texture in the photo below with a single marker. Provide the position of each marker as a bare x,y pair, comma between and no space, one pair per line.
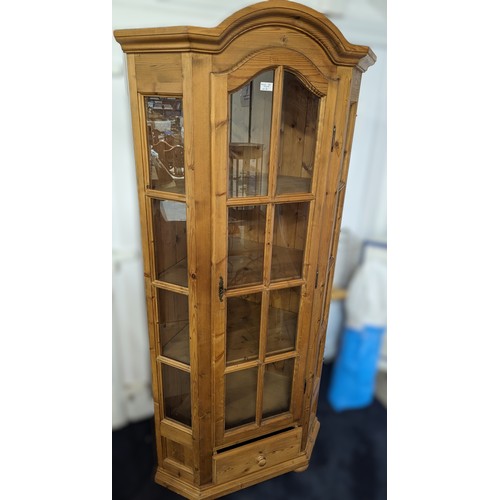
219,149
184,488
200,207
147,250
256,457
326,239
238,292
274,13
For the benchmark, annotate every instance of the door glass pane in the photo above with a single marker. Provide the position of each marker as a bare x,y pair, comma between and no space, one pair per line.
277,387
289,239
243,327
176,394
250,131
282,322
166,143
241,393
169,226
174,325
246,234
299,120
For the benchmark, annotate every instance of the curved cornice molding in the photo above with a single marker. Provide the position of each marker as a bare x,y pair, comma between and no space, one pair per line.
273,13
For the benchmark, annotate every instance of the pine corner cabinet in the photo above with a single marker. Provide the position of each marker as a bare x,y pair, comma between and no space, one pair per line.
242,138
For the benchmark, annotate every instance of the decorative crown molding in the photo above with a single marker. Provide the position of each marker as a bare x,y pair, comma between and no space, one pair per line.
273,13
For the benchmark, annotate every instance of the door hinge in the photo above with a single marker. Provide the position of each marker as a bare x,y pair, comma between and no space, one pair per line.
316,282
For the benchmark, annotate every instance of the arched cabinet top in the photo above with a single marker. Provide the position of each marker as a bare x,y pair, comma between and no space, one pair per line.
274,22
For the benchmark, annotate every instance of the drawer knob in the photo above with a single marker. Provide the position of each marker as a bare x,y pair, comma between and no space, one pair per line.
261,460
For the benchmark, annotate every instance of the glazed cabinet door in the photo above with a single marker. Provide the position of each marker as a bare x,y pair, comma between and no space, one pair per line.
268,136
158,113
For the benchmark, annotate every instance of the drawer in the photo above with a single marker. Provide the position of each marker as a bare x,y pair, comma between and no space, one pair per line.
257,456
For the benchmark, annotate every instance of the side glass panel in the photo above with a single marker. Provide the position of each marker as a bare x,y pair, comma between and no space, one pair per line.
241,395
249,137
243,327
173,315
299,120
277,387
290,230
166,143
246,234
176,394
169,227
282,321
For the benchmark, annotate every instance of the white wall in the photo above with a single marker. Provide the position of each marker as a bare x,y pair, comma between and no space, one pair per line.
361,21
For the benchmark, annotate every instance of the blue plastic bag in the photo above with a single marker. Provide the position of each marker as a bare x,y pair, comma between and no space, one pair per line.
355,370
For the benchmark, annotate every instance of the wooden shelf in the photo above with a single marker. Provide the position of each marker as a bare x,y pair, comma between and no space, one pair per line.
246,258
176,187
286,263
276,398
177,347
245,262
243,327
288,184
243,331
240,400
182,412
176,274
241,390
281,336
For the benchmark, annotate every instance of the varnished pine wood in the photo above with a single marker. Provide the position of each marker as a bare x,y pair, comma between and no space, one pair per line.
327,109
202,66
275,130
142,180
306,70
332,179
212,492
176,432
253,431
159,74
290,15
266,453
219,148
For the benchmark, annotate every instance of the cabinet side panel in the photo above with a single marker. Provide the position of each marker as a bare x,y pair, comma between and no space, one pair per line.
139,153
334,171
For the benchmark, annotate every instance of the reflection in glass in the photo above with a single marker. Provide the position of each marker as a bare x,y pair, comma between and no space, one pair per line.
176,394
166,143
277,387
173,314
169,227
241,394
289,240
246,234
299,120
243,327
250,131
282,320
